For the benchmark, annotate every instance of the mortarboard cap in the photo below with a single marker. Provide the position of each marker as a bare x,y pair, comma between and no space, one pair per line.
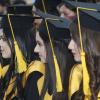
55,32
21,19
50,5
55,20
58,27
20,9
73,4
90,19
20,24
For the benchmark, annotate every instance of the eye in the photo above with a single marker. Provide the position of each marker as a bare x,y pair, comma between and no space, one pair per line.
39,43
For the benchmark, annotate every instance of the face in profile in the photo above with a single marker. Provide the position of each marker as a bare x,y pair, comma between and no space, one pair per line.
75,50
40,48
66,12
4,47
37,22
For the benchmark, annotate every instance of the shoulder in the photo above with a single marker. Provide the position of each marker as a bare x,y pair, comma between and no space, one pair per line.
36,66
76,72
75,79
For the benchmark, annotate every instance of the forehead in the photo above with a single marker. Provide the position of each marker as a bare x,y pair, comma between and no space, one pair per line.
38,38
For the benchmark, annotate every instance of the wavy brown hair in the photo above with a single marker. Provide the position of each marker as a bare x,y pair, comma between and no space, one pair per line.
91,46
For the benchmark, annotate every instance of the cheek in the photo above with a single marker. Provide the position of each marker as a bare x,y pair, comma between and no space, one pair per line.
7,48
76,48
43,52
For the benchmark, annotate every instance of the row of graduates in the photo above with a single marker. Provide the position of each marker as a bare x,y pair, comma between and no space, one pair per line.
25,77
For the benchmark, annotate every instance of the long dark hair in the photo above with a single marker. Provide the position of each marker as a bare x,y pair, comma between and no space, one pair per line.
23,40
91,45
65,62
12,68
5,81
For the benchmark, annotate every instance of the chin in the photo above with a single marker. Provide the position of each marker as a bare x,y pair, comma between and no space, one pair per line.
77,59
6,57
43,60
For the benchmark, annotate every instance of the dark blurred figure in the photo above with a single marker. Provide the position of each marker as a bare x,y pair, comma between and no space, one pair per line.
50,5
19,2
3,5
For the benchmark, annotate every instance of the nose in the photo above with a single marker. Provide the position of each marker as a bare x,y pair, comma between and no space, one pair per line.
70,46
36,49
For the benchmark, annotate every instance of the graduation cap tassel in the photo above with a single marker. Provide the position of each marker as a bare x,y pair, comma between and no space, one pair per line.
86,78
58,77
0,70
21,64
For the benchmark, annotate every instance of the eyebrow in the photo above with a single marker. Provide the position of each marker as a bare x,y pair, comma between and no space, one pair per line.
38,41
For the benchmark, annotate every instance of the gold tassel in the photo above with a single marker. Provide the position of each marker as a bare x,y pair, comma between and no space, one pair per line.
0,70
58,78
86,88
21,64
22,67
57,70
86,78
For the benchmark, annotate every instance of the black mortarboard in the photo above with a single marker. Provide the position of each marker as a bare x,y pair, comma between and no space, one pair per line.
90,19
73,4
55,32
20,24
55,20
50,5
58,27
21,19
20,9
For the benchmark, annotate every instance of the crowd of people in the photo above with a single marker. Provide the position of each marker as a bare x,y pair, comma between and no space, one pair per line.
50,50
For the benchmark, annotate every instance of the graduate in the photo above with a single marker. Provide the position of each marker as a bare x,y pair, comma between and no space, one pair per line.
33,78
12,57
55,57
84,77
